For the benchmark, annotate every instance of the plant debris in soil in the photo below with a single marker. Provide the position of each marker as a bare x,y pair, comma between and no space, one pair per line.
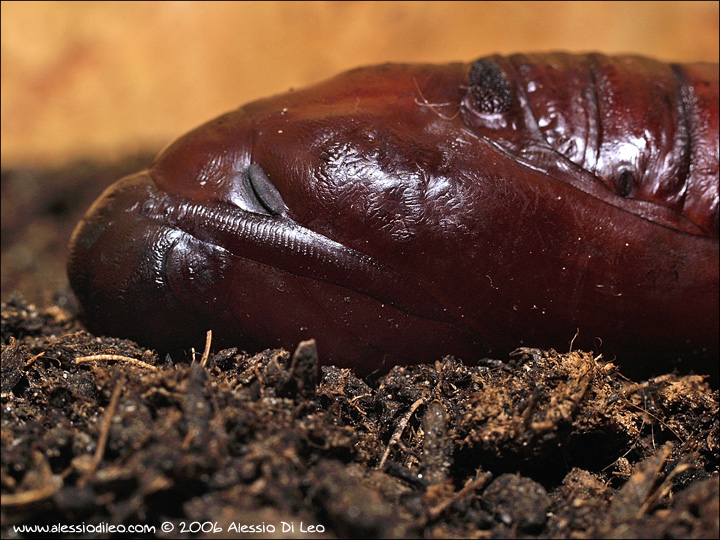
98,431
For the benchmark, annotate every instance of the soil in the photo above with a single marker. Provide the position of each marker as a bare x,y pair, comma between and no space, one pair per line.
99,432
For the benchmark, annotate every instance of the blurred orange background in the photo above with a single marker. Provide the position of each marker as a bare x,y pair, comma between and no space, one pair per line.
102,79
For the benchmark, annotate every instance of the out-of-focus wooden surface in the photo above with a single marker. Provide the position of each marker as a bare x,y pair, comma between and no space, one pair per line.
99,79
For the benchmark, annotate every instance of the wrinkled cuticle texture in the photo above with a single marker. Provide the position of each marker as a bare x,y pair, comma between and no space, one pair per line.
400,213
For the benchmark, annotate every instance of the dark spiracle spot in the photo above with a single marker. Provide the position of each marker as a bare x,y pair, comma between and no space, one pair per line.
490,87
625,184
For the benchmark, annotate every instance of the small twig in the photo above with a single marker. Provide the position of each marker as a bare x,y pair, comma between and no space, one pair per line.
31,495
437,510
104,435
354,401
33,358
399,431
206,352
572,341
664,489
191,434
114,357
